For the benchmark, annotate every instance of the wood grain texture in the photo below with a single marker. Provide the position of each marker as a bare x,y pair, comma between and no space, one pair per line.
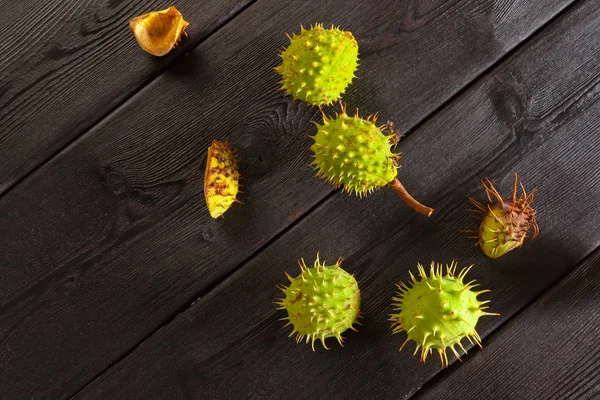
68,63
65,64
535,114
551,350
111,238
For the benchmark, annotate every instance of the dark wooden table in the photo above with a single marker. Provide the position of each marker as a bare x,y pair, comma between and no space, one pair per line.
116,284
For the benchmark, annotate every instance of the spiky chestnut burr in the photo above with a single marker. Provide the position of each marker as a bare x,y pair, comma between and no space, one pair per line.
355,153
318,64
438,311
322,302
505,222
221,178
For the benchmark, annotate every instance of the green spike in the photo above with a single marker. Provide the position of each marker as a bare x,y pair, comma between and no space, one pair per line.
330,312
354,152
303,55
438,318
505,222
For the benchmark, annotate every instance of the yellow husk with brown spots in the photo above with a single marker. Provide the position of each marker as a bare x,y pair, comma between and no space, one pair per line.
221,178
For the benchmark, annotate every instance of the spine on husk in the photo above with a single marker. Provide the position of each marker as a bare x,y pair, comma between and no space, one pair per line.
505,223
318,65
356,154
321,302
437,311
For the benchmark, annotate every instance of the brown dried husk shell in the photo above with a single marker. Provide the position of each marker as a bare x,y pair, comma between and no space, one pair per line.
158,32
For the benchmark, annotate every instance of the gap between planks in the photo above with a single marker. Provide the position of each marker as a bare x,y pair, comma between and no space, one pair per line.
206,293
454,364
108,114
417,125
199,296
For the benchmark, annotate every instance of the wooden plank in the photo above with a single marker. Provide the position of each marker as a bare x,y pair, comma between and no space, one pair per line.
551,350
536,114
65,64
111,239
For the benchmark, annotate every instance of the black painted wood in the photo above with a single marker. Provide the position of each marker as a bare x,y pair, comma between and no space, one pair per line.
65,64
536,114
549,351
111,238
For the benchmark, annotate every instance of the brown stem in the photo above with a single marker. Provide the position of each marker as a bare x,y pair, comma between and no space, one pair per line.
397,187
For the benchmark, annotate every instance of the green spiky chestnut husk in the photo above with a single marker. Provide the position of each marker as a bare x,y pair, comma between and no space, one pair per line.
355,153
318,64
322,302
505,222
438,311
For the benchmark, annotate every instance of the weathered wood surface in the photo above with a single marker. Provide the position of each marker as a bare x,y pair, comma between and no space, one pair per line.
65,64
111,239
549,351
535,114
